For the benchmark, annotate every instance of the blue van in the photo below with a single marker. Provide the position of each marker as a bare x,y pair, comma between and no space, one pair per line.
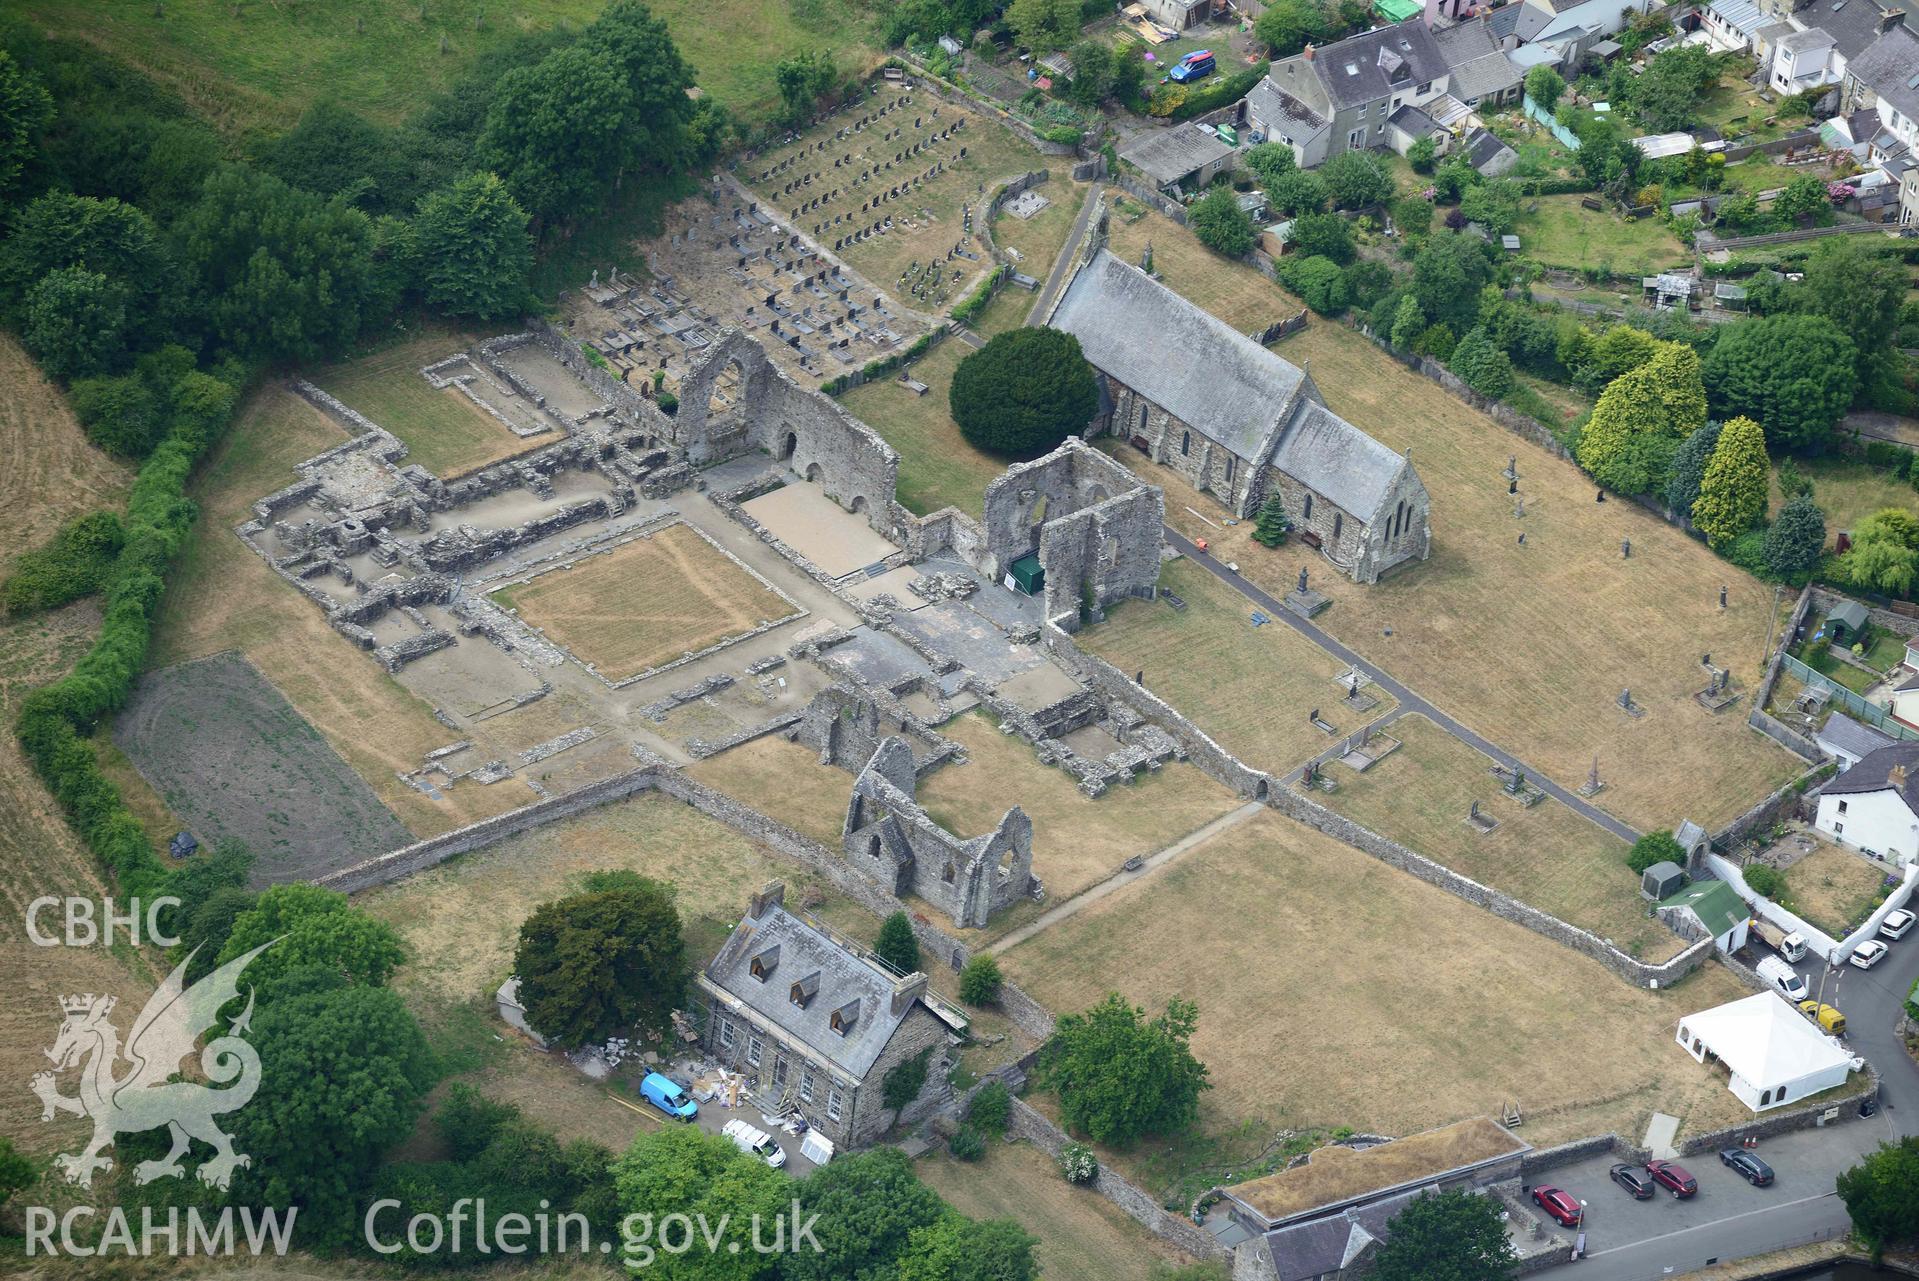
1196,65
666,1095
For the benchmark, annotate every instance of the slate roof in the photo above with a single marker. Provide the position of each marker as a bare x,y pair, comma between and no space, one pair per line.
1377,64
1890,68
1482,147
1473,56
1842,733
1503,22
1324,451
843,977
1179,356
1272,106
1873,774
1167,155
1411,120
1854,24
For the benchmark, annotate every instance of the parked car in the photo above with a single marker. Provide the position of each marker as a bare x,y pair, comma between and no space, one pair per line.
1747,1166
1673,1178
1828,1017
754,1142
1896,924
664,1093
1629,1178
1782,978
1196,65
1559,1203
1869,954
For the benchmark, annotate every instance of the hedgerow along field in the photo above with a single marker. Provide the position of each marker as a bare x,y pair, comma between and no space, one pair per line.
254,65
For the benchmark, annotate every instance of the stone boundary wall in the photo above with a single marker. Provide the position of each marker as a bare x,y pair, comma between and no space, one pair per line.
1149,195
1765,722
1782,801
1027,1123
1772,148
895,363
1540,1160
1825,599
616,394
352,419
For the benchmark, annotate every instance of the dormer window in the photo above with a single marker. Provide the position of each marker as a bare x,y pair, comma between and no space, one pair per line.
803,991
763,963
843,1019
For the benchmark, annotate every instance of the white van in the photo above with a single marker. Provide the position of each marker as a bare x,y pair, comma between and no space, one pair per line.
755,1142
1782,978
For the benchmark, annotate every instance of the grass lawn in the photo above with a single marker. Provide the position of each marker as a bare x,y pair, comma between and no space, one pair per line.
221,596
1738,112
1251,688
444,432
1567,235
1848,491
1529,645
938,468
1551,403
1547,856
1077,839
646,603
1082,1235
1039,239
812,796
1833,888
1335,990
257,66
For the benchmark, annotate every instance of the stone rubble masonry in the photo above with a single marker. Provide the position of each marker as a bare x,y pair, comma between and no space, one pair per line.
1762,720
844,724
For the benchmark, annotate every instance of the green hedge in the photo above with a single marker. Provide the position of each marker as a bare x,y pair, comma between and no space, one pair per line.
55,720
76,563
883,366
975,302
1219,93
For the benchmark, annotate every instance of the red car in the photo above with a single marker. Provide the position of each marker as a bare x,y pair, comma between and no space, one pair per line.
1673,1178
1559,1203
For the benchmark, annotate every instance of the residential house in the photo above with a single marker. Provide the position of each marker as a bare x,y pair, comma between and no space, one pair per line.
1874,806
1237,422
1885,78
1183,157
1342,97
1909,216
815,1024
1574,28
1478,71
1800,60
1905,701
1848,741
1732,25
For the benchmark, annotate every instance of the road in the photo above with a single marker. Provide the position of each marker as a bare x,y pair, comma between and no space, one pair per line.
1408,700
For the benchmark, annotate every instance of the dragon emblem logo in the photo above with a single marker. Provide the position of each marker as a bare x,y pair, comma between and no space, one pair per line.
146,1093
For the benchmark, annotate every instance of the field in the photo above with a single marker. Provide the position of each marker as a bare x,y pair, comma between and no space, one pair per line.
1529,645
1297,950
938,468
1832,888
1567,235
1077,840
223,597
646,603
444,432
927,220
1083,1236
46,459
256,66
1848,491
1547,856
460,923
812,796
235,761
1250,688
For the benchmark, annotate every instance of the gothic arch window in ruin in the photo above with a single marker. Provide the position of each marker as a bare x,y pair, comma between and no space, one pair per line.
873,845
815,473
1141,430
1109,551
788,445
1307,514
1185,443
1005,867
858,505
948,872
1339,522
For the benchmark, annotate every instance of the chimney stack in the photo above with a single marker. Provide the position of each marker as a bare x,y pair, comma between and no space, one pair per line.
1308,55
1897,775
771,895
906,991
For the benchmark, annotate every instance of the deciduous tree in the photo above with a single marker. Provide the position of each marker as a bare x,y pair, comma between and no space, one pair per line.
959,1249
1481,365
25,109
1329,234
1795,374
1221,225
1882,1195
1447,1236
869,1204
1356,179
682,1170
312,927
1119,1076
472,248
1884,556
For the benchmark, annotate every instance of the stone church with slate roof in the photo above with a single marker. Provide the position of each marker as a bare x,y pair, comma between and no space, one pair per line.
1236,421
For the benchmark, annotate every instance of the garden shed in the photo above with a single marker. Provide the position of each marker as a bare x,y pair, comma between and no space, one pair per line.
1845,622
1662,880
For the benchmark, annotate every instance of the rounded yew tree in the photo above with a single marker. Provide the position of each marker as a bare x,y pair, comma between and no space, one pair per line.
1023,392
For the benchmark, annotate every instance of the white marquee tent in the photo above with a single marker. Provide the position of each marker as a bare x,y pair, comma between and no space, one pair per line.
1776,1056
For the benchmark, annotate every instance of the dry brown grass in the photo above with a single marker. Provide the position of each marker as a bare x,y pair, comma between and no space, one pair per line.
222,596
51,470
1528,645
1077,839
1250,688
647,602
783,780
1335,1173
444,432
1547,856
1082,1235
1334,990
1833,888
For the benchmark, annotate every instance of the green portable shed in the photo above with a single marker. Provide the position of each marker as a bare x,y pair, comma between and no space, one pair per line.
1026,574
